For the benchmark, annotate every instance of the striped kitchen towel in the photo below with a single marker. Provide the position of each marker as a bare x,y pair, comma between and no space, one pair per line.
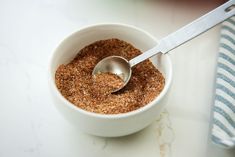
223,126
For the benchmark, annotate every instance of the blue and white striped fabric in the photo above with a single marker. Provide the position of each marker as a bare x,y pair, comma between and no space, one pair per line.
223,127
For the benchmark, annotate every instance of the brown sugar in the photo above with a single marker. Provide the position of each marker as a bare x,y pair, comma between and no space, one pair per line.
76,83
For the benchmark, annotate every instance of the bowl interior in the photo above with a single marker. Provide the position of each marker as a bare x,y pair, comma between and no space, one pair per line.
140,39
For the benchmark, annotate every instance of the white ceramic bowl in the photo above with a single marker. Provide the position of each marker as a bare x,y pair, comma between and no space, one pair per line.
109,125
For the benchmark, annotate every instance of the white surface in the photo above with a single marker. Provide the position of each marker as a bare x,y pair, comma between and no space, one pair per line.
31,126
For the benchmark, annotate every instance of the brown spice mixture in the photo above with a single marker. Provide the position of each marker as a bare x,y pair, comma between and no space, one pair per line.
75,82
107,82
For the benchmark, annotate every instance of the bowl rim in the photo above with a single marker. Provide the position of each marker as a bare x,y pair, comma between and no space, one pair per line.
108,116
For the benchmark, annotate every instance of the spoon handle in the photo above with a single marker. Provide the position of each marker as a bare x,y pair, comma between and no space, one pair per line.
189,31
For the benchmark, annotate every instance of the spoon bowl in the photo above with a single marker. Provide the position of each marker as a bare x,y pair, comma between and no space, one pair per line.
116,65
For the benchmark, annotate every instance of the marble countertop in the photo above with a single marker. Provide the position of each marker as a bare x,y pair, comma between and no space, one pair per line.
31,126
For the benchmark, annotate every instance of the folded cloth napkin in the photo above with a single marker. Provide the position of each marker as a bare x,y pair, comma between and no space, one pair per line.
223,118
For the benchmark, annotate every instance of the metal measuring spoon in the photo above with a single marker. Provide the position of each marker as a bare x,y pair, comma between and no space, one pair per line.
122,67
